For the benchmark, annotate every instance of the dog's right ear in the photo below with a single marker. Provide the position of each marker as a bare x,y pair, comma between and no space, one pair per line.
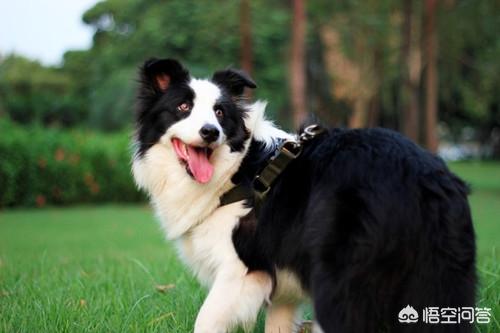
234,80
160,74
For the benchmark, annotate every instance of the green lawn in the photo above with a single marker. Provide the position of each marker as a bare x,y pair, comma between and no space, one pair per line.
98,268
91,269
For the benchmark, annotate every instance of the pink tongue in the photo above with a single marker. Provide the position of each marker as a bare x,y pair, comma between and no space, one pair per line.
199,165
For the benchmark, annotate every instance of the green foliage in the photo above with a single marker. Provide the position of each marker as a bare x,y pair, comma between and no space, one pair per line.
129,32
468,63
32,93
112,104
95,87
40,166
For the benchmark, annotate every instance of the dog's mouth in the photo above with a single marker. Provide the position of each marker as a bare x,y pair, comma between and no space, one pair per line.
195,159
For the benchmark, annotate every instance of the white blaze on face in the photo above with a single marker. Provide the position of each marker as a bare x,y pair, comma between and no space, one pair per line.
185,138
202,113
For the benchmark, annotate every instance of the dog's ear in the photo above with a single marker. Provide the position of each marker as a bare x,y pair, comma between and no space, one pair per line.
160,74
233,80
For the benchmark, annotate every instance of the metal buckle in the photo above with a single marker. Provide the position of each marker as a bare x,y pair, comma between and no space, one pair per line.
291,148
310,132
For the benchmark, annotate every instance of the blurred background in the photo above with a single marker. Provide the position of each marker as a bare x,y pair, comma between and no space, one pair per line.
429,69
79,249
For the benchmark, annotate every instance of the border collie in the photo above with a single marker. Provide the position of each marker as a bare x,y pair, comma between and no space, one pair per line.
363,224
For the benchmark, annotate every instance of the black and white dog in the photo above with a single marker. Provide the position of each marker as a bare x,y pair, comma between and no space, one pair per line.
363,223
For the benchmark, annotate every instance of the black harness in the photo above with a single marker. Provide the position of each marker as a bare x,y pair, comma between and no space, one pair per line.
288,151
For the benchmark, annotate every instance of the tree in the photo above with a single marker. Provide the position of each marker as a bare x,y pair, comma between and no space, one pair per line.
129,32
32,93
468,70
357,55
431,75
297,63
246,52
410,74
364,63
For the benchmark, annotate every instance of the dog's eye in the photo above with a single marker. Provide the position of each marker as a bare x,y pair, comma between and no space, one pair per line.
184,107
219,113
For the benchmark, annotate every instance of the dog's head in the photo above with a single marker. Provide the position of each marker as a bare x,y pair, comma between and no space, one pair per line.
195,119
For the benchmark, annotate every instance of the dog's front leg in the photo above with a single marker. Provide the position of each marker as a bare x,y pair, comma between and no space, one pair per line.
234,300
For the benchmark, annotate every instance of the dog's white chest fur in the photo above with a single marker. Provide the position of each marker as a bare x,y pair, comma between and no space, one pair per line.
202,231
208,247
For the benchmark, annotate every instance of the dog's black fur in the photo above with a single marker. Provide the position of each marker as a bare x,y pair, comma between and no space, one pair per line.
370,223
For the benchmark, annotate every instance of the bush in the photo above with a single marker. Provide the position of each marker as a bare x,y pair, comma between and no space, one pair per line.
40,166
31,93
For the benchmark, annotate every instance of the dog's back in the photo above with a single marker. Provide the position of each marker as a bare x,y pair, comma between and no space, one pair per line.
370,223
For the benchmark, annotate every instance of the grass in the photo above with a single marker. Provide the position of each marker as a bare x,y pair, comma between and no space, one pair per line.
98,269
91,270
484,180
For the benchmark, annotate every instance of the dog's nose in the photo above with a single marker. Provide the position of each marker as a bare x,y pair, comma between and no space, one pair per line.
209,133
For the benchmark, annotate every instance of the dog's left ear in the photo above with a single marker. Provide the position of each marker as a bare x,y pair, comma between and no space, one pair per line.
233,80
162,73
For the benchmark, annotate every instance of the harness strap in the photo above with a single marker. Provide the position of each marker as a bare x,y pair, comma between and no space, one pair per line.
288,151
236,194
263,181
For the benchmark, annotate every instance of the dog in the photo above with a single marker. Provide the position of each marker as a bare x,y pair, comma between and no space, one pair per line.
362,223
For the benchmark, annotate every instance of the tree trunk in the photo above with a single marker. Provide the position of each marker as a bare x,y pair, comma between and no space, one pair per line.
246,54
431,75
378,71
374,111
358,117
297,63
409,89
